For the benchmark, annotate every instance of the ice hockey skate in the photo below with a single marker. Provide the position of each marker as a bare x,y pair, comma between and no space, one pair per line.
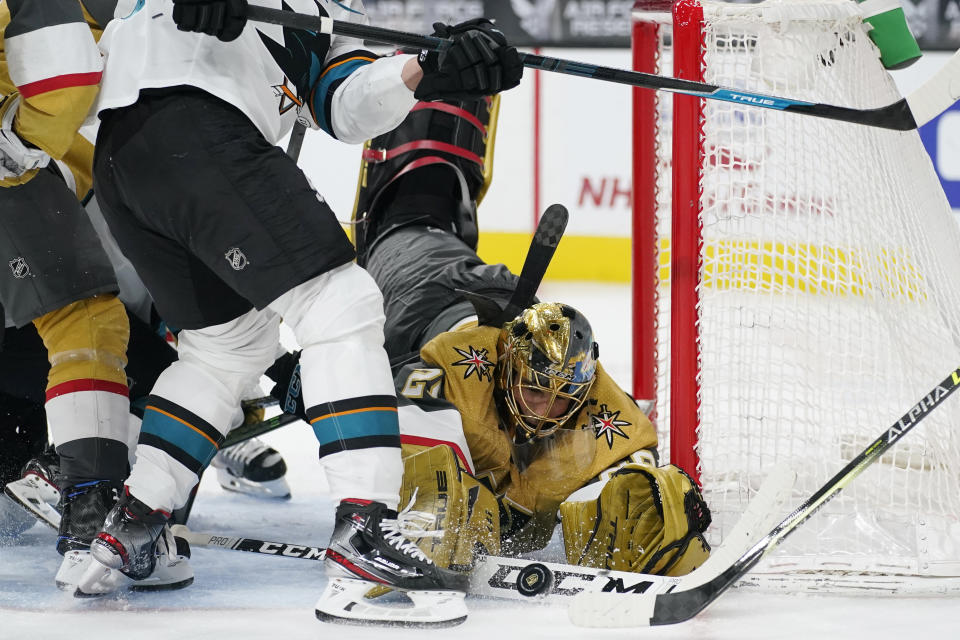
36,492
135,550
367,549
253,468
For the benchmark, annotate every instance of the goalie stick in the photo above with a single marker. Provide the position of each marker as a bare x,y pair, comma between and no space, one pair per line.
522,579
918,108
604,610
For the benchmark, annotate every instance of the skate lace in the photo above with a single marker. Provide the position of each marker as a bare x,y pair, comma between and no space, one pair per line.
395,538
417,524
246,450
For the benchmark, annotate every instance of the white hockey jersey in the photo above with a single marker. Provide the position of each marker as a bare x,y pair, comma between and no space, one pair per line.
273,74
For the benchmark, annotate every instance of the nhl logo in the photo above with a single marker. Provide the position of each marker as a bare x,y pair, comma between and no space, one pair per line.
19,267
236,258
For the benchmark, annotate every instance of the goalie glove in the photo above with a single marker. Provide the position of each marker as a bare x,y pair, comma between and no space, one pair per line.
646,520
479,63
16,158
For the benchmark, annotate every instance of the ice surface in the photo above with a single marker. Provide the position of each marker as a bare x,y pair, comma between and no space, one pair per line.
244,595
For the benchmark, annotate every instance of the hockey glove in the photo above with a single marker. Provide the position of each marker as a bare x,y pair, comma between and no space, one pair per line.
479,63
224,19
16,157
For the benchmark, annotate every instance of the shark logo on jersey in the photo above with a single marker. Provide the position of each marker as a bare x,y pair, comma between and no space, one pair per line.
607,423
476,362
300,57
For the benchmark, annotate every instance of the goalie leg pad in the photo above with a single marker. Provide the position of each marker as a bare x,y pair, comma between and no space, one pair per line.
450,515
646,519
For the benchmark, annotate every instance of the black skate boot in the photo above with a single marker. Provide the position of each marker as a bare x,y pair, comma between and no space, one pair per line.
136,542
83,508
36,491
253,468
368,549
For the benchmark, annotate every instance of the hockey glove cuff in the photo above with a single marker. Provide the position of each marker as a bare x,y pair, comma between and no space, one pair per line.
479,63
224,19
16,157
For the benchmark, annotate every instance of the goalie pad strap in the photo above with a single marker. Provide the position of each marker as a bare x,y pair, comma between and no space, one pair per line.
382,155
449,514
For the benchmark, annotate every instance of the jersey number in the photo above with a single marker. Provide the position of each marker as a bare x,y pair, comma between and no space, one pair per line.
422,382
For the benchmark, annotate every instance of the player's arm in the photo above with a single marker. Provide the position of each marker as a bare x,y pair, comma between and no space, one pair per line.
53,73
357,95
479,63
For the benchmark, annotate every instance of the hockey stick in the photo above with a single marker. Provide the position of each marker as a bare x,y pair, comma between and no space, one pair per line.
549,231
494,576
520,579
296,140
247,431
921,106
670,608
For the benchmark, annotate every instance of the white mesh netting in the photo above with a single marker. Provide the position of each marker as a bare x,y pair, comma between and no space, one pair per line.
829,296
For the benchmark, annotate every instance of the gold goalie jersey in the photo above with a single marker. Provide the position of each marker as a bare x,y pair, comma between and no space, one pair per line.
530,479
49,71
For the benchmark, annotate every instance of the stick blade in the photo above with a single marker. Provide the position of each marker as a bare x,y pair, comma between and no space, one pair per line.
938,93
695,591
547,236
553,223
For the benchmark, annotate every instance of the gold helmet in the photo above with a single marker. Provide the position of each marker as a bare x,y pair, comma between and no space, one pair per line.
547,362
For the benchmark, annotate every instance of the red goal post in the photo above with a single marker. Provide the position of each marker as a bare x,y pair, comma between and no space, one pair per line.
795,284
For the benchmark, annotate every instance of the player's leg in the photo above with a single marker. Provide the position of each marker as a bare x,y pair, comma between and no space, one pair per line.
420,270
62,280
249,216
23,432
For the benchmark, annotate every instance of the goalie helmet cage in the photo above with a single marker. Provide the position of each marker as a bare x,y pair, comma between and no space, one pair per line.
796,285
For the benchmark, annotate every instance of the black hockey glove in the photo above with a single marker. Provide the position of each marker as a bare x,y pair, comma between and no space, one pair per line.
222,18
479,63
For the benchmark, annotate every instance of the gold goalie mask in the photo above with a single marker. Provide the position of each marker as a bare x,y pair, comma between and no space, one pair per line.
547,363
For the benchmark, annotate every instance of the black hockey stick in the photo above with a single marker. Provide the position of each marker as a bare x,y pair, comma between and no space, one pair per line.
247,431
679,606
296,140
549,231
921,106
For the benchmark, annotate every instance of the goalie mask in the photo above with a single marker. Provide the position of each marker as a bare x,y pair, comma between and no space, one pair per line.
547,362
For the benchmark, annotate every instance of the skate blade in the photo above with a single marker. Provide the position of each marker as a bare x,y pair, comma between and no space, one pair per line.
344,602
169,586
28,493
271,489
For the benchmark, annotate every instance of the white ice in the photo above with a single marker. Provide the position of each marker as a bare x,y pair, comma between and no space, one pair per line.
243,595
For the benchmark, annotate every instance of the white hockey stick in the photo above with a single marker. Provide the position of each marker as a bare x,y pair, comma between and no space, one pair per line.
611,610
521,579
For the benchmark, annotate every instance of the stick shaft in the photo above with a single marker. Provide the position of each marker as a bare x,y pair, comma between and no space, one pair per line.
897,116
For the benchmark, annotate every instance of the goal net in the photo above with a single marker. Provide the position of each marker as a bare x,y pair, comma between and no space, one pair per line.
797,289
